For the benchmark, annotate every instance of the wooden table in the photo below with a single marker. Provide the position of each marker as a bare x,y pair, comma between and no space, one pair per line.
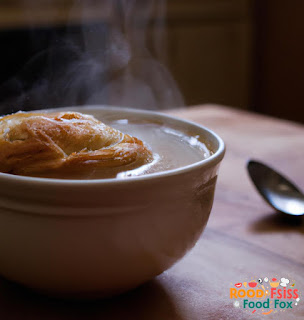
244,240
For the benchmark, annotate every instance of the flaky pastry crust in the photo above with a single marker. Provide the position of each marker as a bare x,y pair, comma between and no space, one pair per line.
32,143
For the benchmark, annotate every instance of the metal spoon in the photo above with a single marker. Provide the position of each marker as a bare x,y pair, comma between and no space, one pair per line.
277,190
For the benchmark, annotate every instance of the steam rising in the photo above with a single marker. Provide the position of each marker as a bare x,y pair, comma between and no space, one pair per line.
106,63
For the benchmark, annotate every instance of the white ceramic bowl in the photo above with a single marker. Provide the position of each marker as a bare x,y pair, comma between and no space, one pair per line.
95,238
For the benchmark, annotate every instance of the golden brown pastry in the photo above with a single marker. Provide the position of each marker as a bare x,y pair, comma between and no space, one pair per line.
33,143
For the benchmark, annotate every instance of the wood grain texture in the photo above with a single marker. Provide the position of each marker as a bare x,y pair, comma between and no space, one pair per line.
244,239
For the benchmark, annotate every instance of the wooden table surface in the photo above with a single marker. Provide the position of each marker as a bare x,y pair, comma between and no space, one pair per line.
244,239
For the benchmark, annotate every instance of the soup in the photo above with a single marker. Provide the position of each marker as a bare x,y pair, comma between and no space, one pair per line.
71,145
171,148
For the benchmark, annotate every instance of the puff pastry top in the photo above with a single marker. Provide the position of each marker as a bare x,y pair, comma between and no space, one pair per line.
33,143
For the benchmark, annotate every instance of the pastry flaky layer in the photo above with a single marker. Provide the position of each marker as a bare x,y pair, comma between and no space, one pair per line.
33,143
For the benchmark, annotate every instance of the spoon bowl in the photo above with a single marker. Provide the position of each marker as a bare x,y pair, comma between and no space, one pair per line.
277,190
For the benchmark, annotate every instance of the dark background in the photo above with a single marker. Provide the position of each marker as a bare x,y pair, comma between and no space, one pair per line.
279,59
265,75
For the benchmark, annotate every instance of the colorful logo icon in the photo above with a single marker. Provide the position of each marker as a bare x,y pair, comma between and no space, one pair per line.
265,295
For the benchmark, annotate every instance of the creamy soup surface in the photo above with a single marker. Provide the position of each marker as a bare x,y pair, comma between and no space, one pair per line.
171,149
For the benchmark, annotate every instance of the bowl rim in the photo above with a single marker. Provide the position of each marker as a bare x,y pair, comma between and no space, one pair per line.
216,157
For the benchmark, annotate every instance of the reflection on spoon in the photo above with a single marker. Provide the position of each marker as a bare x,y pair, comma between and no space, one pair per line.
277,190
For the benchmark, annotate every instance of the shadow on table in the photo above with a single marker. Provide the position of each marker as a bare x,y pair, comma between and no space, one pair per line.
278,222
149,302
